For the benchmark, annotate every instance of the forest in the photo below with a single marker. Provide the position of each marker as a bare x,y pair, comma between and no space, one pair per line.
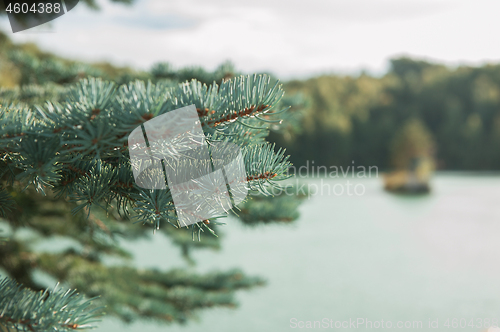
359,118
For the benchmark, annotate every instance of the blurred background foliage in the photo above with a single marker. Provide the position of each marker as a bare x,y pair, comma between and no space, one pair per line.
358,118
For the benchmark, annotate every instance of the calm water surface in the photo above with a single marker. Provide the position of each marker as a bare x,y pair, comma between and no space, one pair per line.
374,257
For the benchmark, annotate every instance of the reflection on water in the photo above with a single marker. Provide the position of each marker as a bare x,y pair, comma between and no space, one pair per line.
372,257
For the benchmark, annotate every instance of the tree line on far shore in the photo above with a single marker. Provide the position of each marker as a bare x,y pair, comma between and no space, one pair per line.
453,111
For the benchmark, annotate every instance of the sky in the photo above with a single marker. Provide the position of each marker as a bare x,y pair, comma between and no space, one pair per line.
290,38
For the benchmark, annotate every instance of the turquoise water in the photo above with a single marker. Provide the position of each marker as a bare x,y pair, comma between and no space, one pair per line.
372,257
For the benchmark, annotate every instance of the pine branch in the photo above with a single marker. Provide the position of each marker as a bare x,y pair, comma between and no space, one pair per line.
50,69
24,309
73,150
281,207
266,167
78,147
172,296
6,202
32,94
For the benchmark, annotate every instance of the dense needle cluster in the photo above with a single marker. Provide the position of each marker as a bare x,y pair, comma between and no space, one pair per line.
65,170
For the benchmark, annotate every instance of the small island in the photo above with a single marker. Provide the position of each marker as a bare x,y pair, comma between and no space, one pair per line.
412,157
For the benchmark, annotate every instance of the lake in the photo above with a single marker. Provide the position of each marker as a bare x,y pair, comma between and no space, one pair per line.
358,262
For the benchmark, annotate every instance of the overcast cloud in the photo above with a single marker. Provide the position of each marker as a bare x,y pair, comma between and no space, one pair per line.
288,37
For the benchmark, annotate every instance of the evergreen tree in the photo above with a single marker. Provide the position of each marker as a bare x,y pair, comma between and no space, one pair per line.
65,171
